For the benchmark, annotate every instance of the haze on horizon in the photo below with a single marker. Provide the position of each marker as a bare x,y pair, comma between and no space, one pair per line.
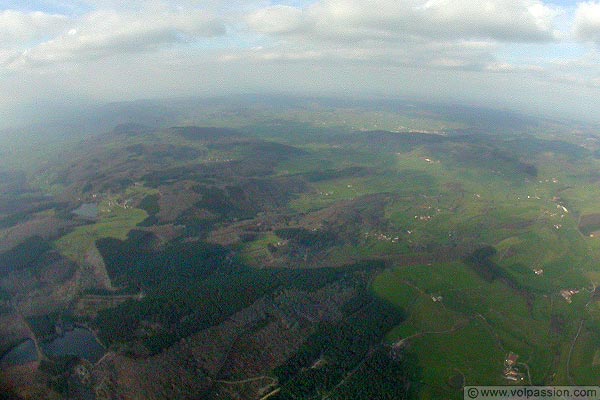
535,56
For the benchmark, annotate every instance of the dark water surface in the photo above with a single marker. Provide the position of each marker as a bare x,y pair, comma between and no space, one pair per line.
77,342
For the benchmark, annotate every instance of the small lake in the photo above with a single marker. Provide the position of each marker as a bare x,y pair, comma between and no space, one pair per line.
87,210
77,342
20,354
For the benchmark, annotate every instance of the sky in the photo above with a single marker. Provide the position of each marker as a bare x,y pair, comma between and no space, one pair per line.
530,55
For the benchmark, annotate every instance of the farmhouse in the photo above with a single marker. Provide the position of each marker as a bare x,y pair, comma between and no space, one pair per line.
511,359
568,293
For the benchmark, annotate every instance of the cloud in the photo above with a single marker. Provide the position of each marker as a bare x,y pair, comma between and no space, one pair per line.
109,32
587,22
18,27
278,19
500,20
463,55
438,34
504,67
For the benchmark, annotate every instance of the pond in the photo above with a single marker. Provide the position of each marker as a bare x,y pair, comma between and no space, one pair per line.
87,210
21,354
77,342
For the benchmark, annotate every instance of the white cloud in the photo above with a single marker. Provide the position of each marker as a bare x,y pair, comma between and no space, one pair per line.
18,28
108,32
501,20
587,22
439,34
278,19
504,67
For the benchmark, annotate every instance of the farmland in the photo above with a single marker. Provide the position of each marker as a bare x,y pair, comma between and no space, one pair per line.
297,254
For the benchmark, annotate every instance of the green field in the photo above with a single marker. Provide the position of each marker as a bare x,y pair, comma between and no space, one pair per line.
115,224
457,196
471,328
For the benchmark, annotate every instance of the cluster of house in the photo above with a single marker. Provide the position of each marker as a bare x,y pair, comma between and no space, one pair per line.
111,204
217,159
383,237
553,180
423,217
511,372
122,204
568,293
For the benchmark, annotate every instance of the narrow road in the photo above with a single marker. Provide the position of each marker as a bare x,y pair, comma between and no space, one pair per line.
492,331
351,373
528,371
571,381
258,378
270,394
104,297
457,326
